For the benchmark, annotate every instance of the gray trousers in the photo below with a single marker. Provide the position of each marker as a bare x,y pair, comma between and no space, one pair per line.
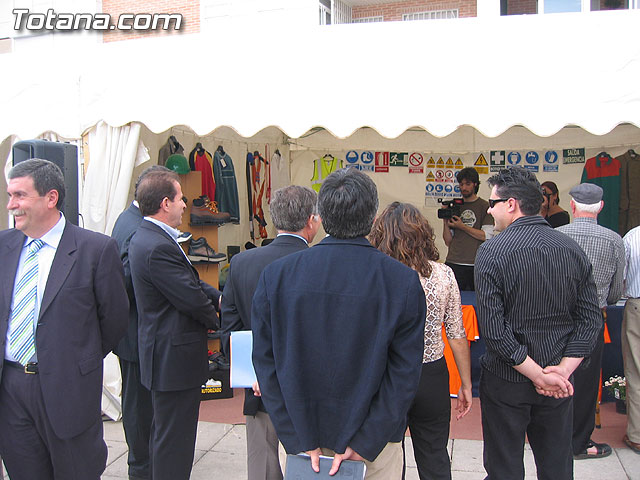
262,448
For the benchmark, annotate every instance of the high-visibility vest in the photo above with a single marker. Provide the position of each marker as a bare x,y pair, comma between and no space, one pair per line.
322,168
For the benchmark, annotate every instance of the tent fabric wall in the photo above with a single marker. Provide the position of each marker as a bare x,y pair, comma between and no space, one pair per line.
541,71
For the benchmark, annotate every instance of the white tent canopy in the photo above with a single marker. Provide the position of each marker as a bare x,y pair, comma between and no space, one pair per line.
543,72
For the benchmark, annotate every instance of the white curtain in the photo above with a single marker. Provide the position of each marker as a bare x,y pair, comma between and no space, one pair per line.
114,152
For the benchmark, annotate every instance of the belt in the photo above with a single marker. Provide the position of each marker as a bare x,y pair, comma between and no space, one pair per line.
30,368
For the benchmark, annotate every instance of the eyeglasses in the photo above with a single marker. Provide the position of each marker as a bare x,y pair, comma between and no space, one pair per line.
493,201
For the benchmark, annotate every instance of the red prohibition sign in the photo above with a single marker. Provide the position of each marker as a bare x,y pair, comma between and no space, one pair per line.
416,159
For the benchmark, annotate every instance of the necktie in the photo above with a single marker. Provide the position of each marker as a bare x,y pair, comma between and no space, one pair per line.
21,338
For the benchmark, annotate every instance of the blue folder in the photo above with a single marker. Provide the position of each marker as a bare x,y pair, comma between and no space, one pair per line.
242,373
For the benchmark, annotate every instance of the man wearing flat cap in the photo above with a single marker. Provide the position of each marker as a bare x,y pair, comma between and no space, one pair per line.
605,251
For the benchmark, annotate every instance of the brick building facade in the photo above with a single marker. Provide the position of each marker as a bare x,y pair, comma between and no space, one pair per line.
395,11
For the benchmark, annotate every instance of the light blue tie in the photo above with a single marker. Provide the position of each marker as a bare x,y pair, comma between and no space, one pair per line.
22,344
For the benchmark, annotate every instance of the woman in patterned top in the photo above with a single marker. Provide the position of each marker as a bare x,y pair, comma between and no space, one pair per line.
403,233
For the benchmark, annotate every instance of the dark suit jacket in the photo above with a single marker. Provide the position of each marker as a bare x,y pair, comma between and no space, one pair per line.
174,312
244,271
126,225
83,315
338,342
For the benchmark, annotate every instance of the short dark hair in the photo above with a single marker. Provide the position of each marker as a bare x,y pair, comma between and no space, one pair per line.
521,184
292,206
471,175
46,176
348,202
145,172
153,188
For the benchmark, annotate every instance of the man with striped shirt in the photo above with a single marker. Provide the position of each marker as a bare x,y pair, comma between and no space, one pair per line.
539,317
605,251
631,336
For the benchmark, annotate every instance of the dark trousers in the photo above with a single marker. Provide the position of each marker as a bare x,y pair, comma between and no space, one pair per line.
137,413
30,448
464,276
511,410
173,433
428,420
586,380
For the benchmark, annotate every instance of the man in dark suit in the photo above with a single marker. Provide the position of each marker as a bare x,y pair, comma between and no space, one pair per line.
175,309
136,398
338,338
294,214
64,307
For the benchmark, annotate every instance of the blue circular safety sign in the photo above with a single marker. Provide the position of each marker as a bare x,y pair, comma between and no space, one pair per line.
532,157
448,188
352,156
551,156
514,158
366,157
439,188
430,187
456,188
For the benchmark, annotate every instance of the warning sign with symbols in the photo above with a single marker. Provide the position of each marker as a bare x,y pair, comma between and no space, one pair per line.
497,160
431,176
449,176
416,163
481,164
440,163
398,159
382,162
431,163
459,164
440,176
449,163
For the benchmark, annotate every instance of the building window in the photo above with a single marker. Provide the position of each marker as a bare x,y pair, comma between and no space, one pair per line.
324,12
432,15
368,19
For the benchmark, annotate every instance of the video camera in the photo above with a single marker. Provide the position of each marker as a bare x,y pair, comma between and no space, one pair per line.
450,208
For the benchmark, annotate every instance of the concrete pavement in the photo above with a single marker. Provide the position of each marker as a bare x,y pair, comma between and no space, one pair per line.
221,454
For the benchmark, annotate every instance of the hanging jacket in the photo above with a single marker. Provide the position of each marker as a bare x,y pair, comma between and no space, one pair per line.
226,188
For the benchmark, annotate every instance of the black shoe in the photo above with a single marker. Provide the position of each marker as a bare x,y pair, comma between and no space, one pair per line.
602,450
200,251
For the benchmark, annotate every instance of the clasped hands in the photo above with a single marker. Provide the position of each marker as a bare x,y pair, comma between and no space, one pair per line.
553,381
349,454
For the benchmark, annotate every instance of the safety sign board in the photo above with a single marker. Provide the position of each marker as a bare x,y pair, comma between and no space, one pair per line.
431,163
449,163
440,163
481,164
496,159
514,158
573,155
382,162
448,176
352,156
439,175
459,163
366,157
430,176
398,159
416,163
551,158
532,158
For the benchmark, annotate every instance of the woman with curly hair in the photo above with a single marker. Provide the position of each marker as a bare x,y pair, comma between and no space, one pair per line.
403,233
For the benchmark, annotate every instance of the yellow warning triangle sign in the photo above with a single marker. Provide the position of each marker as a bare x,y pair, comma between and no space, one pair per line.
430,177
481,160
431,163
440,162
449,163
459,162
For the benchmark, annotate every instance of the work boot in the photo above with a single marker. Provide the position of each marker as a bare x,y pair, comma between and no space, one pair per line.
202,214
200,251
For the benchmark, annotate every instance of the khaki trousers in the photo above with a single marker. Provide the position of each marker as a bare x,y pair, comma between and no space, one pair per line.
631,357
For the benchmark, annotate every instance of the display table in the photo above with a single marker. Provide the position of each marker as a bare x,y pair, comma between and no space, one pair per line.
611,360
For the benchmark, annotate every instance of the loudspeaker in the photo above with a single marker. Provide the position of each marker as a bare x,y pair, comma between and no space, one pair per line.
65,156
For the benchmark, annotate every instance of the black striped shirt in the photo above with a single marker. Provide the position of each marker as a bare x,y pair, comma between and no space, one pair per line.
535,296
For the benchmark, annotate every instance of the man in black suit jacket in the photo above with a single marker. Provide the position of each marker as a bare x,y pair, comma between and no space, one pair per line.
136,398
50,413
294,214
338,338
175,309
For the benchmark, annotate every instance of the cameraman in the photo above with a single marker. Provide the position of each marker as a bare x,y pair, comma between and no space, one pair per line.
464,234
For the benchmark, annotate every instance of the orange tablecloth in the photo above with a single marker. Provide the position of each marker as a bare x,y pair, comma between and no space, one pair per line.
470,322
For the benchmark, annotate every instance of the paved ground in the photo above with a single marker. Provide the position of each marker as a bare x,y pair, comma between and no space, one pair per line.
221,454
